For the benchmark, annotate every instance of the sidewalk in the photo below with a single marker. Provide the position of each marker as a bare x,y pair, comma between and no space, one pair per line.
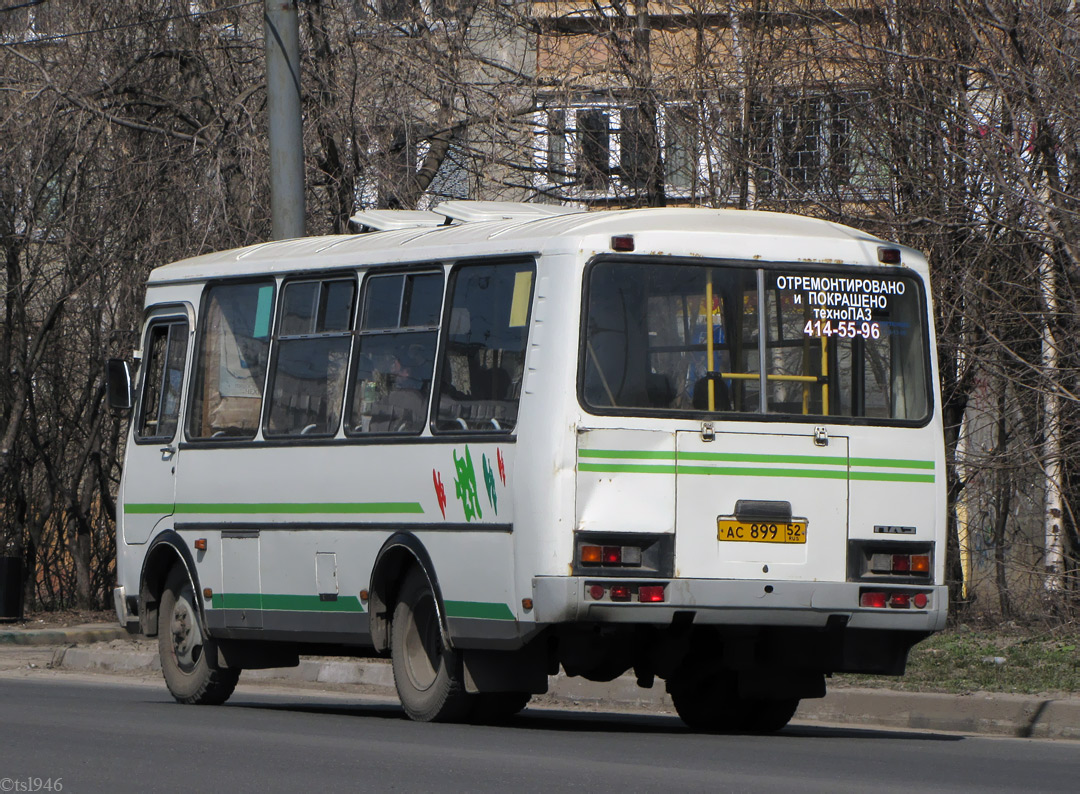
107,648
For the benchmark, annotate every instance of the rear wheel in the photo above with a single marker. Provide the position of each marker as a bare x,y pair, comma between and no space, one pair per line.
492,708
714,706
188,656
767,716
428,675
709,706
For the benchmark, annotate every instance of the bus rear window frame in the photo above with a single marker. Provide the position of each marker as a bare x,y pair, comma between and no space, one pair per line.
765,267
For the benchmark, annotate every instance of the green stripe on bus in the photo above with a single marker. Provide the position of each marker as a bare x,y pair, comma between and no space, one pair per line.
291,508
628,468
285,602
890,476
147,508
627,453
749,457
478,609
888,463
746,471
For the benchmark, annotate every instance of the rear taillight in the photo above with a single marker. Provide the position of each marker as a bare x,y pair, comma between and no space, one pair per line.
651,593
892,599
626,591
618,556
908,562
872,599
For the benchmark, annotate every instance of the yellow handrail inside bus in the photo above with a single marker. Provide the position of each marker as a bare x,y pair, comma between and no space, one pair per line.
756,376
709,338
824,376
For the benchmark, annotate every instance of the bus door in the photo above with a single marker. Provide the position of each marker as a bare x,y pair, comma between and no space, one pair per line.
761,505
152,458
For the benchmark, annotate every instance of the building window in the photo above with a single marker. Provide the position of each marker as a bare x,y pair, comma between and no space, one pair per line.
681,149
594,149
556,146
800,144
637,147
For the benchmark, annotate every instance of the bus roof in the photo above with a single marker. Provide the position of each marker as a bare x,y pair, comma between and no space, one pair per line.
697,232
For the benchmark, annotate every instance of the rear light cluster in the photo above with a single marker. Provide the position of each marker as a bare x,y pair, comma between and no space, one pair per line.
890,561
893,599
610,555
904,564
626,591
648,555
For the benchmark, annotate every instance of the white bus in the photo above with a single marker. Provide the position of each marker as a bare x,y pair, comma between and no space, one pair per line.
499,441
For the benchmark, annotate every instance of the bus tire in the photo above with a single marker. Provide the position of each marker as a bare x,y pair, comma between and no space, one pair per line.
428,676
767,716
493,708
188,656
707,708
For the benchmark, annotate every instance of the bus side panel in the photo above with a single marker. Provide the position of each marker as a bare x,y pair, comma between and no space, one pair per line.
293,531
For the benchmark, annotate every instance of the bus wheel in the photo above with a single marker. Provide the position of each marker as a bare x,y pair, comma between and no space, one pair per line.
428,676
188,659
492,708
767,716
711,706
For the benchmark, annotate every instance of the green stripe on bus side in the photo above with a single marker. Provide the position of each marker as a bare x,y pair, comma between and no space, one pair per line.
890,476
290,508
749,457
749,471
627,453
478,609
147,508
746,471
889,463
285,602
628,468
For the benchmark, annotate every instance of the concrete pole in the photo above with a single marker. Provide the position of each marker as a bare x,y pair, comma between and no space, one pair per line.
282,40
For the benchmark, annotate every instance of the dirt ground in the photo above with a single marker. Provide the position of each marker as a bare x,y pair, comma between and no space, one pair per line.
60,619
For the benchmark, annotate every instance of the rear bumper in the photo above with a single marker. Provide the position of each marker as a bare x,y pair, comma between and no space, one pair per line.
126,615
563,599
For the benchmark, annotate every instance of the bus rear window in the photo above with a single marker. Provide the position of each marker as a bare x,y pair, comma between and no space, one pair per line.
840,343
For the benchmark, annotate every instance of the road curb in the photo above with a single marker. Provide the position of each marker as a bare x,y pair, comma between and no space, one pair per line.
978,713
79,634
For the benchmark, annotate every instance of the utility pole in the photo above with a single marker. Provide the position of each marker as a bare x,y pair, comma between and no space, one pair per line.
282,40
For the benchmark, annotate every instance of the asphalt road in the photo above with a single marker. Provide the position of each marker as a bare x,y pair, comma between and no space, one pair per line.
130,736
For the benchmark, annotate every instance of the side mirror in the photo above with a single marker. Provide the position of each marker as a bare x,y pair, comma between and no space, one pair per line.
118,384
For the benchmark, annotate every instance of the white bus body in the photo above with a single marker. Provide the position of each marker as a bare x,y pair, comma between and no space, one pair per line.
598,466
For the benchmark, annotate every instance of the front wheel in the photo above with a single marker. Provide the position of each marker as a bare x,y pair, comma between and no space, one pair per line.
188,657
429,677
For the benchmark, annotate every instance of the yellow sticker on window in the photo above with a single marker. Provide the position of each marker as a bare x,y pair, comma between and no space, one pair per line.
519,309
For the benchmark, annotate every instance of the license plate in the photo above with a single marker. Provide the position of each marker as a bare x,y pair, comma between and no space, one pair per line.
761,531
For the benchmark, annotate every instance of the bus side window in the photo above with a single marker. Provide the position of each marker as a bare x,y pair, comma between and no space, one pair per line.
395,353
311,355
166,350
484,355
230,372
